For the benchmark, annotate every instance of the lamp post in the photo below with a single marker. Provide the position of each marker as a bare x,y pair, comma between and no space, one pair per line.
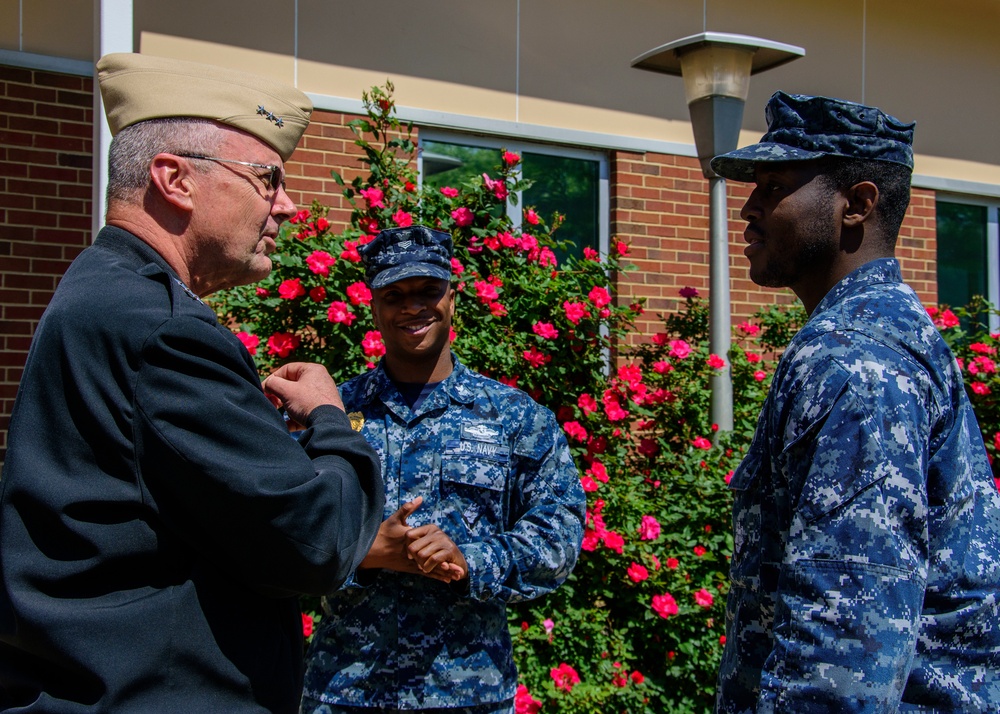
716,68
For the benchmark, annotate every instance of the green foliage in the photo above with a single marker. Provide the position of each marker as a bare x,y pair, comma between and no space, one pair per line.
639,625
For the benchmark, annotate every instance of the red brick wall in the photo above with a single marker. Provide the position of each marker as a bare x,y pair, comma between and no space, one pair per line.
45,185
660,206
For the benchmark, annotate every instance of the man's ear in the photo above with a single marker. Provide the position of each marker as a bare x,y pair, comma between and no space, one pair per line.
861,201
170,176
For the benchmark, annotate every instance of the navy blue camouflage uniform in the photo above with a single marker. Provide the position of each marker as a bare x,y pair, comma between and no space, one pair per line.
866,567
495,473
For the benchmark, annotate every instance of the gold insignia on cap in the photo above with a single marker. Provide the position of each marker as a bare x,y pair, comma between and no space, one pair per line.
137,87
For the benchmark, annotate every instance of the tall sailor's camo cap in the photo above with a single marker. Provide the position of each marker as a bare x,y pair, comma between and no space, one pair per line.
137,87
802,128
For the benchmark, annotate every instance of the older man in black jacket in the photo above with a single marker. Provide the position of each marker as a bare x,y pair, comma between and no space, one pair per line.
156,520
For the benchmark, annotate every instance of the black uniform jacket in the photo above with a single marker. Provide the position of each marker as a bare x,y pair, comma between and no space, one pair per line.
157,521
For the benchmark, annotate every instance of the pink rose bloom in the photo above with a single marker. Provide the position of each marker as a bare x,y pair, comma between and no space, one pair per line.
679,349
372,344
575,431
317,294
565,677
980,388
359,294
699,550
575,311
532,217
456,267
373,196
319,261
307,625
402,219
649,529
599,296
660,339
673,563
249,341
661,367
282,343
548,625
449,191
368,224
498,187
598,470
716,362
760,375
485,291
591,254
587,404
590,540
497,310
510,158
688,292
463,216
589,485
637,572
322,224
614,541
704,598
340,312
621,248
545,330
524,703
262,292
702,443
350,252
535,358
664,605
749,329
291,289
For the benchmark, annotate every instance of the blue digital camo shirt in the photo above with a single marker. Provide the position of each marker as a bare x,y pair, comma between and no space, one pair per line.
496,474
866,567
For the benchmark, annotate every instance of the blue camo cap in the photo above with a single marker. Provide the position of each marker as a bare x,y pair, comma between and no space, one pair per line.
803,128
400,253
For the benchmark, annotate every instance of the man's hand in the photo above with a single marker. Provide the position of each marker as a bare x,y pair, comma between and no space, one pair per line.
300,387
391,548
436,553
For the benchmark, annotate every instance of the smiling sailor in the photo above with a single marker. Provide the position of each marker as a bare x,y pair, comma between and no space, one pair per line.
484,506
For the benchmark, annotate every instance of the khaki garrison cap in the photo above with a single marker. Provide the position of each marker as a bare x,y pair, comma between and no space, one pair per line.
138,87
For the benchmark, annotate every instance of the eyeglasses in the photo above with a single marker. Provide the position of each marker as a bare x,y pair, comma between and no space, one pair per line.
275,178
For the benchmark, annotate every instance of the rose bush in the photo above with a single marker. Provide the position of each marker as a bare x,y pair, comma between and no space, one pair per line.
639,625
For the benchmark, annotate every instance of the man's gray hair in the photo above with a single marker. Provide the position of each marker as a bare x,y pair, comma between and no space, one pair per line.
133,148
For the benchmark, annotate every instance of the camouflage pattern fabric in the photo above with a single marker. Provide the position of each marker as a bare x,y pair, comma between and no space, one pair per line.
496,474
866,566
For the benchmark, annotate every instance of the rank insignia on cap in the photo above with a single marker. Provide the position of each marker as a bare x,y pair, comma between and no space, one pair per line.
270,116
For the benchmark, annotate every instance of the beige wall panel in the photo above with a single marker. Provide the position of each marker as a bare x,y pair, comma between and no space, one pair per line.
280,67
451,42
956,170
415,92
267,26
939,64
61,28
10,25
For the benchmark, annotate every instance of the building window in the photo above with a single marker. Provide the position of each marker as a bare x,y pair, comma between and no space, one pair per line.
568,181
968,258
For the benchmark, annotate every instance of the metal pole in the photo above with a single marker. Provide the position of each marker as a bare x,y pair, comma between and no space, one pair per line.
720,331
112,33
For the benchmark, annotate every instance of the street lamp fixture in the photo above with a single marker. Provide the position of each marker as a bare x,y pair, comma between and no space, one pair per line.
716,68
